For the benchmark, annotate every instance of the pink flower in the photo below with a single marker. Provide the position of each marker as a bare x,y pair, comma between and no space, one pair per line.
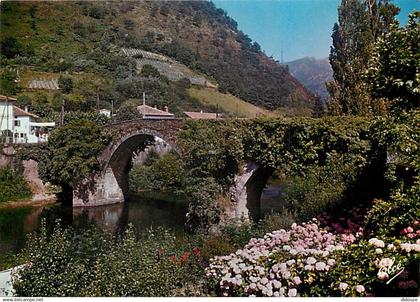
409,230
360,288
382,276
403,285
296,280
412,284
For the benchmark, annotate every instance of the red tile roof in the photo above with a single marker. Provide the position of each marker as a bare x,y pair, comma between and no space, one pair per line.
202,115
19,112
3,98
147,110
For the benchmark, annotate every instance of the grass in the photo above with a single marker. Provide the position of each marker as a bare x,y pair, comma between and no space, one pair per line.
227,102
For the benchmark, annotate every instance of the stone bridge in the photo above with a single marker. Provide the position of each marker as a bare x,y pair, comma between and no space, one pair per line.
129,137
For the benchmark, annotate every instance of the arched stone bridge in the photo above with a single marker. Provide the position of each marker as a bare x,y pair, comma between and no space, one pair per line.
111,184
127,138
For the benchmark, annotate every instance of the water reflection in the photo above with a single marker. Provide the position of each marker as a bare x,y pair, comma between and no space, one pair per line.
142,210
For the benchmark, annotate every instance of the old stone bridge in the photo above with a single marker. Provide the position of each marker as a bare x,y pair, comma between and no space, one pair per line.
111,184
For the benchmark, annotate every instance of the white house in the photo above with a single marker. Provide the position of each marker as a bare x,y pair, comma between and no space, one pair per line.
20,126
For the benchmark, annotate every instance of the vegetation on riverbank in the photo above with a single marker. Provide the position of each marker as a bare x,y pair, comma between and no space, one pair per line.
13,186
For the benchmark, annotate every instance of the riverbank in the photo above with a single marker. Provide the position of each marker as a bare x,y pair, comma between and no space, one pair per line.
47,200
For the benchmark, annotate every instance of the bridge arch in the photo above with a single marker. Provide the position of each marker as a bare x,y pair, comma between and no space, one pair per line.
246,191
122,151
111,184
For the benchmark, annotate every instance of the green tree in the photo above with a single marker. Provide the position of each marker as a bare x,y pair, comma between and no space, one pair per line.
127,112
394,71
150,71
360,24
66,84
8,86
10,47
73,152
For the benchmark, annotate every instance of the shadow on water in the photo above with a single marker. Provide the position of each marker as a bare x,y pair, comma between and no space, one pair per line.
143,211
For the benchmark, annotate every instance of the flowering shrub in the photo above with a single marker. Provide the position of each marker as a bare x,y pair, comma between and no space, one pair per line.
310,261
280,264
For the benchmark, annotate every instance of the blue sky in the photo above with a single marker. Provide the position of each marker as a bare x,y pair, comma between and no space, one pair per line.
301,27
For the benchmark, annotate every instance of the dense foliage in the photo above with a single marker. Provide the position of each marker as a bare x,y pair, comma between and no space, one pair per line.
72,153
159,174
13,186
360,24
394,68
97,264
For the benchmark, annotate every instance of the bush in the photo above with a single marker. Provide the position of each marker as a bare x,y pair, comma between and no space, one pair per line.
203,210
65,84
97,264
13,186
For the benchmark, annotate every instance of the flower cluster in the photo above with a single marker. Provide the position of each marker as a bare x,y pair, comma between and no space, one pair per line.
412,231
351,224
279,263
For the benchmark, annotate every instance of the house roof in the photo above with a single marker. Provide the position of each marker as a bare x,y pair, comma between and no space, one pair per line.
147,110
202,115
19,112
4,98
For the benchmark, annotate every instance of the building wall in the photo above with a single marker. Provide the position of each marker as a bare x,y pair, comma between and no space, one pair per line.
22,128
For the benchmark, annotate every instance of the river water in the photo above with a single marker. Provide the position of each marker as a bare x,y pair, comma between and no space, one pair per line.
144,211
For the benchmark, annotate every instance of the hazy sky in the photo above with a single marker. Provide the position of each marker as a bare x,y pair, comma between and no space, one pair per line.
301,27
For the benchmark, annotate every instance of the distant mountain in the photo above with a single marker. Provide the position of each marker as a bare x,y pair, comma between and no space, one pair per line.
312,73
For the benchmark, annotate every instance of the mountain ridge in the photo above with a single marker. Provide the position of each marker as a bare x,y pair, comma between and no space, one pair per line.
312,73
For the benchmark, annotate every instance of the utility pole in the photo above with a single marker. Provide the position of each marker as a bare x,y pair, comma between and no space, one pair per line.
62,113
97,97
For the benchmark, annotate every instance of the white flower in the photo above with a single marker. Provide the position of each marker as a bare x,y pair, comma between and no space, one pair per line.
276,284
376,242
308,267
378,251
264,280
343,286
310,260
291,262
296,280
320,266
331,262
292,292
286,275
360,288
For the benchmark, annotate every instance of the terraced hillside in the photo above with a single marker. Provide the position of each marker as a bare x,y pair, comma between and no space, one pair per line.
197,40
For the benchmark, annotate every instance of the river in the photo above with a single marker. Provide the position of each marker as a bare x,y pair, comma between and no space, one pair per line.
144,211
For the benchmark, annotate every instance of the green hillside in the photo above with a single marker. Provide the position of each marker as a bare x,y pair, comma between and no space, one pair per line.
226,102
83,41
